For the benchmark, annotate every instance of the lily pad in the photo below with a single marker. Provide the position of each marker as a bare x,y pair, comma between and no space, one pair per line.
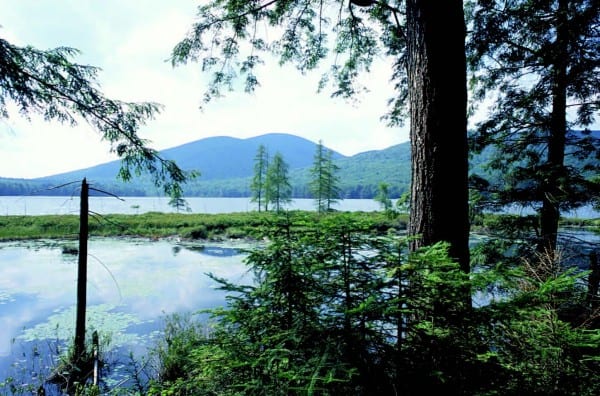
103,318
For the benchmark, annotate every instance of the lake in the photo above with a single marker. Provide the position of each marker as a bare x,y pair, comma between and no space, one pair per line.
42,205
132,285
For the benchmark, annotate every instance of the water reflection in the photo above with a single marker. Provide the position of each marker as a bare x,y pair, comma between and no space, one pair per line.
216,251
131,285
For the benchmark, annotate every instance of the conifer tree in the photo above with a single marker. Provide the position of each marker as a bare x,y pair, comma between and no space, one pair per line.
178,203
324,183
278,188
539,60
383,197
259,181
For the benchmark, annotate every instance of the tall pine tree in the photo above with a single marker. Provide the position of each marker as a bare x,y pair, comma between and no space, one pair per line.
278,187
324,184
539,60
259,180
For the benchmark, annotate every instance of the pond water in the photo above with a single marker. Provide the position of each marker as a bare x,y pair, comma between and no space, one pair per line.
132,285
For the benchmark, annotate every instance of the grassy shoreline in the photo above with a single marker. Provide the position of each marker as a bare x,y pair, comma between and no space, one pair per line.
192,226
198,226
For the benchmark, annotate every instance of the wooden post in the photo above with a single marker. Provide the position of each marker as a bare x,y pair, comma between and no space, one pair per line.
96,347
82,273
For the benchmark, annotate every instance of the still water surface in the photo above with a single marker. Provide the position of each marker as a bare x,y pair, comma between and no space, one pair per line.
40,205
43,205
132,285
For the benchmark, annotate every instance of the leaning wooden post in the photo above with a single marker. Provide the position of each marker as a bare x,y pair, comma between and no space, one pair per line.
82,273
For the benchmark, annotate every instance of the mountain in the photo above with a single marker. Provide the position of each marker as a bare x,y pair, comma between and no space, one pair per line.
361,174
226,165
220,157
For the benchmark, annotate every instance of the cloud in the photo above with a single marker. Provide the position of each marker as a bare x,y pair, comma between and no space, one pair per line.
131,42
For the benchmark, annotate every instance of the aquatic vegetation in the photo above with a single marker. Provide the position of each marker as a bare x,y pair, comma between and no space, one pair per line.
104,317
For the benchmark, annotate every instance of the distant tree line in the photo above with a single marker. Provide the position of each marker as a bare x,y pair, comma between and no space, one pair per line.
357,179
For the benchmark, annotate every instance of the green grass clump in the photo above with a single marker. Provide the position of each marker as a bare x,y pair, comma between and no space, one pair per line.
251,225
32,227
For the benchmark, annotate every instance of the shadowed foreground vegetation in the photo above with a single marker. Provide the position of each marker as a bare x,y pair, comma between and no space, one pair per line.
338,309
338,306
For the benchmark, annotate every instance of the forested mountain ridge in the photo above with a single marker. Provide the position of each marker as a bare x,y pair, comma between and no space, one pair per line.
216,157
226,167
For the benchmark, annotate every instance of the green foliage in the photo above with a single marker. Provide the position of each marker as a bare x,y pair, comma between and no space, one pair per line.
181,335
324,184
178,202
360,175
297,330
278,187
539,61
50,84
154,225
334,309
259,180
438,352
29,227
540,348
549,34
403,203
383,197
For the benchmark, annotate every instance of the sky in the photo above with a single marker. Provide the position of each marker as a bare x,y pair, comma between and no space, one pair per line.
131,41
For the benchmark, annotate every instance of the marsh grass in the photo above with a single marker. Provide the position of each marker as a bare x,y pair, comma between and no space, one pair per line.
183,225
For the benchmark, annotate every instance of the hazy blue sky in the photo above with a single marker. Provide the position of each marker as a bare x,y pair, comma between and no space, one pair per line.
131,41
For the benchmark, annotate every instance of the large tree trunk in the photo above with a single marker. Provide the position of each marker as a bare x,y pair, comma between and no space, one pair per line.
438,125
550,211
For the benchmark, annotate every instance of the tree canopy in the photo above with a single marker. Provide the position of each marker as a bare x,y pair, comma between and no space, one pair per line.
539,61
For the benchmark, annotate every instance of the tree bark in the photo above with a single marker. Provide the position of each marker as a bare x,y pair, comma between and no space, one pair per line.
550,211
438,125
